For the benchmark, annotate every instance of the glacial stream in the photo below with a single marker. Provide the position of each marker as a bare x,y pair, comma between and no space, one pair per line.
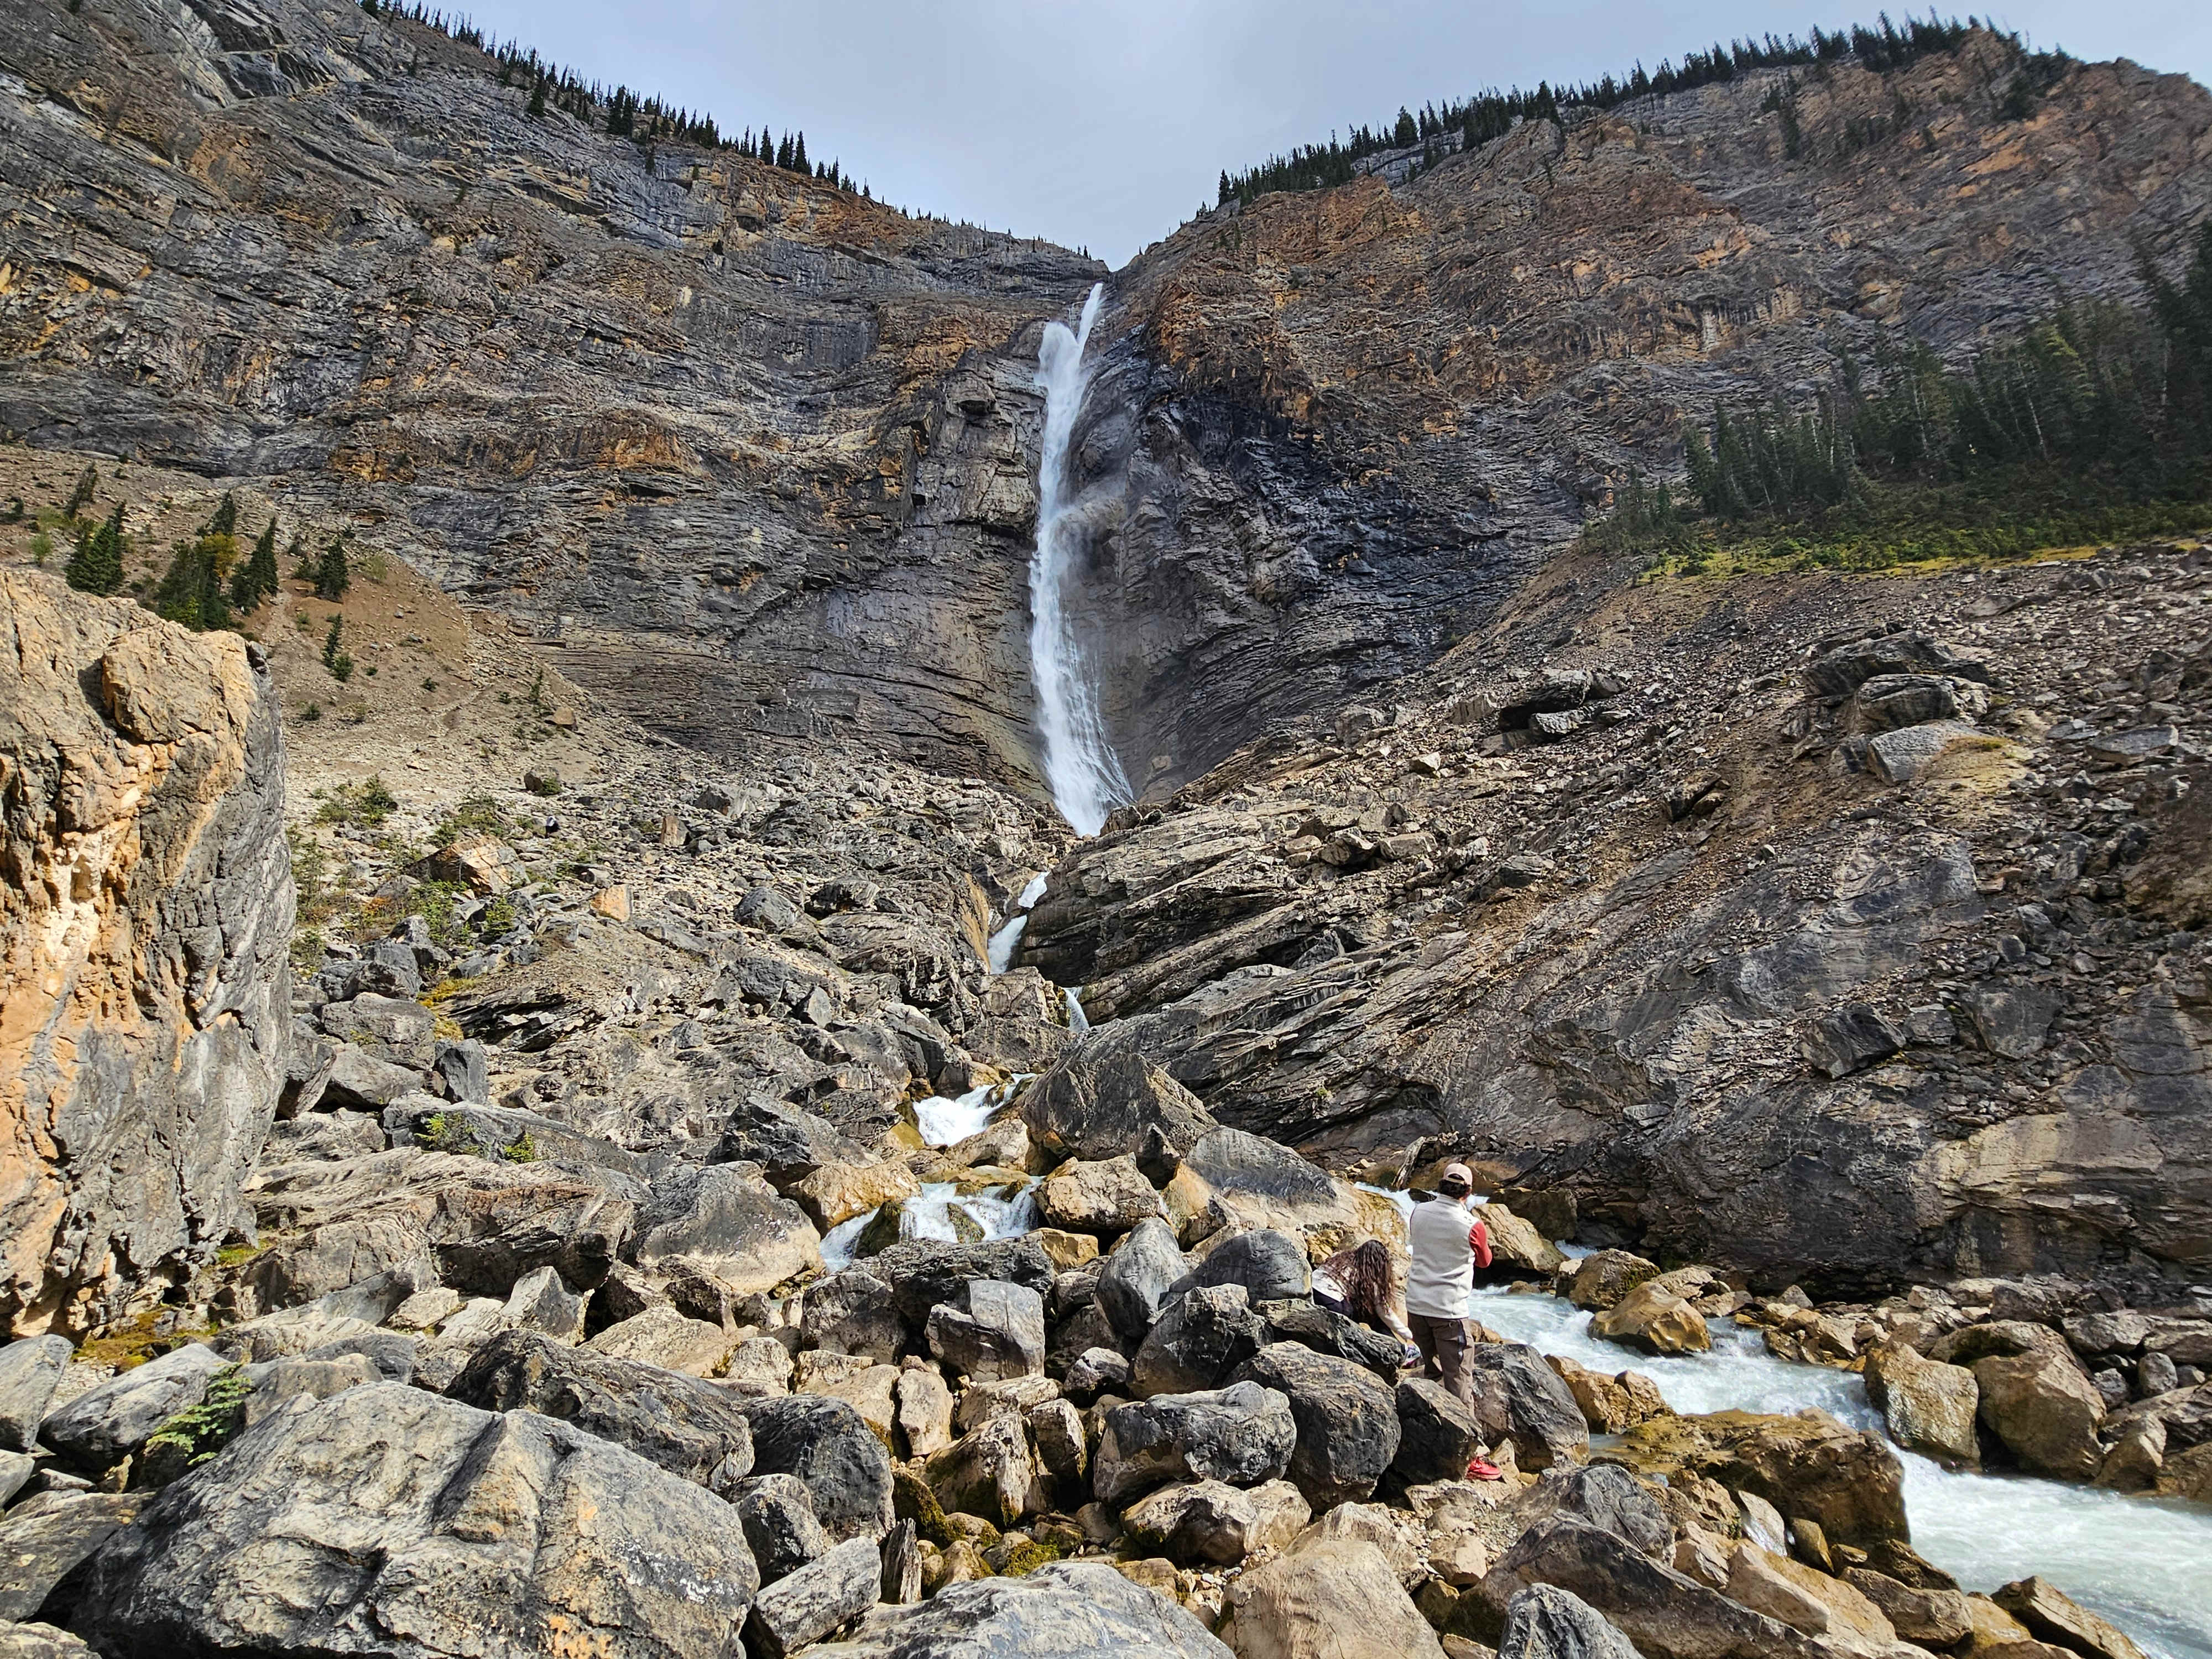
2145,1564
1080,765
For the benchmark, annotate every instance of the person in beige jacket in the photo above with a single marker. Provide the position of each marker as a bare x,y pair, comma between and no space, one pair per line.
1448,1243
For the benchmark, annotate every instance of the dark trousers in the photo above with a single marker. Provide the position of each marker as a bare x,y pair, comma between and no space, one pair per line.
1443,1345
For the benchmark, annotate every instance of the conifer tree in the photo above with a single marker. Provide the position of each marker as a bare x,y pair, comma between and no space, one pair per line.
81,497
799,153
96,566
255,579
331,576
538,97
225,521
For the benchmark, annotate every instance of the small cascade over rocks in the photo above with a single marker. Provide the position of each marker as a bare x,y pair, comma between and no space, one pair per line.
1008,938
1084,773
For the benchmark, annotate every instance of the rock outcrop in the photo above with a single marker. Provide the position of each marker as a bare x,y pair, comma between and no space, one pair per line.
144,920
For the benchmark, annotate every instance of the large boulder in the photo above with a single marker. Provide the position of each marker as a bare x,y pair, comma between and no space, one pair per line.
1198,1340
42,1544
1665,1614
143,928
391,1522
924,1272
1654,1317
2056,1618
782,1530
30,1370
727,1223
1327,1598
995,1331
689,1428
1603,1277
1100,1105
1070,1610
1518,1397
1325,1332
1517,1247
989,1472
108,1422
1244,1434
1439,1434
828,1445
1105,1198
1214,1521
1929,1406
1346,1418
1809,1466
1545,1622
1137,1277
800,1609
854,1312
1270,1264
1260,1181
2045,1410
1607,1496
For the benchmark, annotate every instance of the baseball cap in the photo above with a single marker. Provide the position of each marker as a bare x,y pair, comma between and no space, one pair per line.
1459,1174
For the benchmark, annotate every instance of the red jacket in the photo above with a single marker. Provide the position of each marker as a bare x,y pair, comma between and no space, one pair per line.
1477,1240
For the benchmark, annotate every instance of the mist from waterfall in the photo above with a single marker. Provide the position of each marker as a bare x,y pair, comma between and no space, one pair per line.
1079,762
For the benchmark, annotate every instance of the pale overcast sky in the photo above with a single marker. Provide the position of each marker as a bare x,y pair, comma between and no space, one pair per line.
1104,124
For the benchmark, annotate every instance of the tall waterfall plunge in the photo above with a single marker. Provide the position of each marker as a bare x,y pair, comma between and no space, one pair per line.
1079,763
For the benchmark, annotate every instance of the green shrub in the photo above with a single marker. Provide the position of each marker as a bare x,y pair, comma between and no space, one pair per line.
194,1435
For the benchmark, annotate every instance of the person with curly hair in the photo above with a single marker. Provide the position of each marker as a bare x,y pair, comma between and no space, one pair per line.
1361,1283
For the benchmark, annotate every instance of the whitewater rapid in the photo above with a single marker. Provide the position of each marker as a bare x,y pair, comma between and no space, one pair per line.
1080,766
2145,1564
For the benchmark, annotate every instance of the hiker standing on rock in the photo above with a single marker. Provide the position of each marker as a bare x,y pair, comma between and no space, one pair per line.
1448,1244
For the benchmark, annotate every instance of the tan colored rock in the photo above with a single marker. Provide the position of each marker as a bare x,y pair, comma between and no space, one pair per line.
2137,1459
1808,1465
664,1337
1611,1404
2053,1616
1930,1407
1065,1249
1515,1243
861,1384
486,864
1603,1277
759,1366
1403,1541
924,1412
2188,1474
1329,1598
1104,1198
145,912
1212,1521
1654,1318
1803,1599
835,1193
1991,1627
1932,1618
2045,1410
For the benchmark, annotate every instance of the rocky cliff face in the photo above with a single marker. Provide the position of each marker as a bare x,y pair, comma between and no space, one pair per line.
752,451
147,907
1845,928
1337,430
758,456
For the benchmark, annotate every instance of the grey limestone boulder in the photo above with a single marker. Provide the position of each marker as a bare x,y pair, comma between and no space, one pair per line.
30,1370
1270,1264
994,1332
1199,1338
1544,1622
688,1427
113,1420
1346,1418
1137,1278
827,1445
777,1512
391,1522
1070,1610
799,1610
1243,1434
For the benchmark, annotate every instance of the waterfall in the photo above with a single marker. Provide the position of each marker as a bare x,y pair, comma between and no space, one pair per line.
1079,763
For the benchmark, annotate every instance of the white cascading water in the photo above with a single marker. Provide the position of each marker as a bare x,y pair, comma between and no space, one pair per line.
1079,762
1008,938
